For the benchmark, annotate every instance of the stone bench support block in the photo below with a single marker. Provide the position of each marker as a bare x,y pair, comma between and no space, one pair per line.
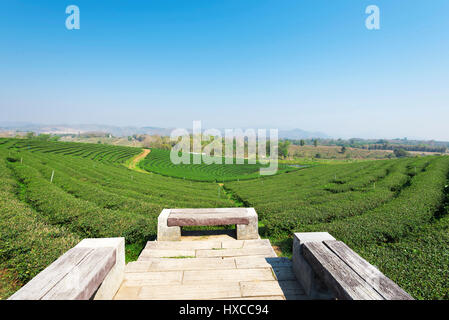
250,230
313,286
164,232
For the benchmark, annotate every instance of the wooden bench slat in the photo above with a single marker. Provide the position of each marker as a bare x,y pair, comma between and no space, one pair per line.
42,283
336,274
82,282
387,288
206,219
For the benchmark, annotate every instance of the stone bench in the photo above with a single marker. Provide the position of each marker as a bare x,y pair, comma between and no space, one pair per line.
170,221
327,268
93,269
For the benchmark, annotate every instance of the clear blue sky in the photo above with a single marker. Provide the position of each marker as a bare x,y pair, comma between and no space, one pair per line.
230,63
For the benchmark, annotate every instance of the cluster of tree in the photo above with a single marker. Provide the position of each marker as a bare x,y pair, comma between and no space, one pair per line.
382,144
303,142
401,153
421,148
95,134
283,148
154,141
164,142
42,136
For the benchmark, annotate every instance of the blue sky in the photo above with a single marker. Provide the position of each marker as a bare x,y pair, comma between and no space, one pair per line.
230,63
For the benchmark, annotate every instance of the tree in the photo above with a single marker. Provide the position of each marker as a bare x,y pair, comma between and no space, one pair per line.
30,135
343,149
302,142
315,142
267,148
43,137
283,148
400,153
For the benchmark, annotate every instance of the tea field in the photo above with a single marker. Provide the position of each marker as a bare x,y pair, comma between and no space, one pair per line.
91,195
158,161
392,212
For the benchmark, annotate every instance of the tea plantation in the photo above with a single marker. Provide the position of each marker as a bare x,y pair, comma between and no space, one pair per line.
158,161
392,212
92,195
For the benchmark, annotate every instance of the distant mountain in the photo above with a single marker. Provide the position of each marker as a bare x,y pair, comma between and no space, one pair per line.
128,130
81,128
301,134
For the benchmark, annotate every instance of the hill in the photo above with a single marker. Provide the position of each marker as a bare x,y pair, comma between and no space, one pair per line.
394,212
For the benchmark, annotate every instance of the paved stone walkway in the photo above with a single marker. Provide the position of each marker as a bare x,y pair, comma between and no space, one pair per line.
215,267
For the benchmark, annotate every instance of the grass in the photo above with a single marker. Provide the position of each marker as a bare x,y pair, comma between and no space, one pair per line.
8,283
133,250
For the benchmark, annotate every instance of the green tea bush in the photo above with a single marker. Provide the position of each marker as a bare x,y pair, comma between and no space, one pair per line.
28,244
394,213
80,216
158,161
106,153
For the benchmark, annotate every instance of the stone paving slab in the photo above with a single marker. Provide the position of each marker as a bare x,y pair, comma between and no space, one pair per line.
267,288
139,279
196,291
167,253
261,288
231,275
284,273
182,245
235,244
138,266
163,264
269,252
214,267
261,262
127,293
256,243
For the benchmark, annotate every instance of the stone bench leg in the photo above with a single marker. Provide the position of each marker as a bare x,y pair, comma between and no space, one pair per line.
165,233
248,231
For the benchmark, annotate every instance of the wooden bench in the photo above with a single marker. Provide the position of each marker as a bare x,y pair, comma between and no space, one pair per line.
347,275
80,273
170,221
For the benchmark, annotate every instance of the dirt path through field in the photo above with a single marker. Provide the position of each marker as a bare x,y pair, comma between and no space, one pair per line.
136,160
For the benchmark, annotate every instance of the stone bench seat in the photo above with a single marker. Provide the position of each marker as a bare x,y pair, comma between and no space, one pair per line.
170,221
